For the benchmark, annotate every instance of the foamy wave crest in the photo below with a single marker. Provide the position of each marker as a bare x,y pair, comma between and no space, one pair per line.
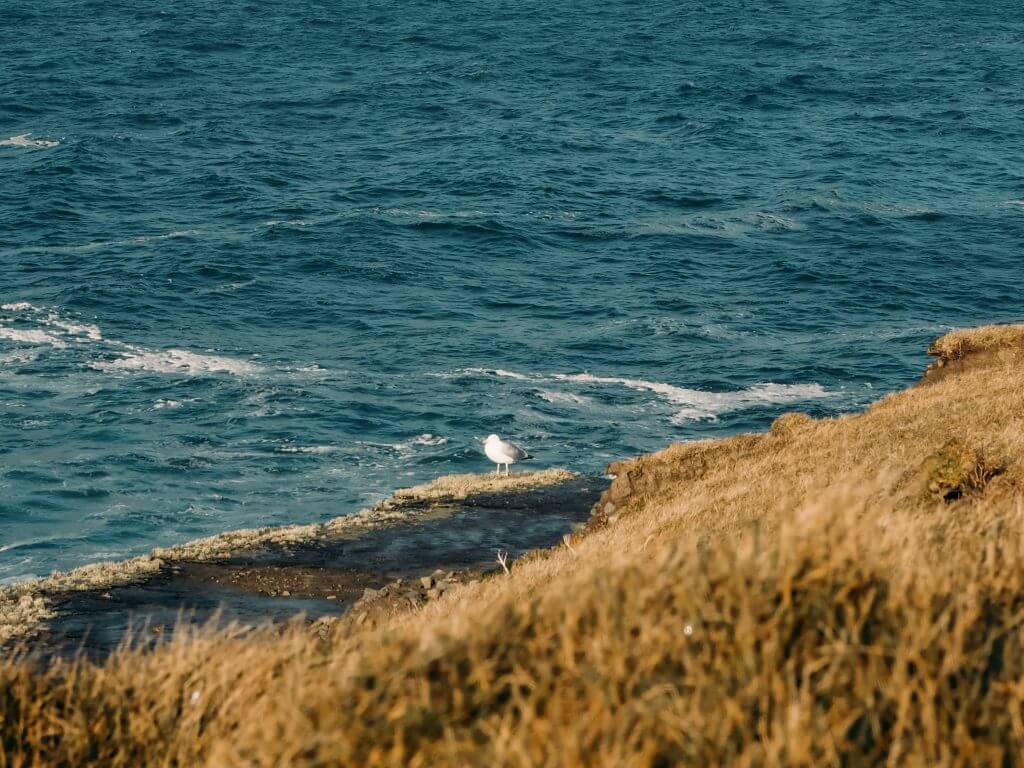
693,404
307,449
701,404
286,223
31,336
408,446
553,396
425,439
495,372
43,326
176,361
25,140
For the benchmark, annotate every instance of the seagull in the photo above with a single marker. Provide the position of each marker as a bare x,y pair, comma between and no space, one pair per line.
503,452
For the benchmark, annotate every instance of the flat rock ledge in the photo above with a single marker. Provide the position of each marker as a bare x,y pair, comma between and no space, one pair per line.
454,523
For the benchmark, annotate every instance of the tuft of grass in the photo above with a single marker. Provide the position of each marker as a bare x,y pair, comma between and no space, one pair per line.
788,422
747,601
959,344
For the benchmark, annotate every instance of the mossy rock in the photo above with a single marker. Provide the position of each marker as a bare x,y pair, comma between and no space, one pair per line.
956,470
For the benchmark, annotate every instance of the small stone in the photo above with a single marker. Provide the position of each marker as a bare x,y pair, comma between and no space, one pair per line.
107,596
474,581
609,508
427,582
438,574
441,586
433,594
332,597
370,594
286,593
399,582
361,618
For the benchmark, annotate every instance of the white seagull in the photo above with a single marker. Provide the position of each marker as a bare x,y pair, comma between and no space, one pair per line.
503,452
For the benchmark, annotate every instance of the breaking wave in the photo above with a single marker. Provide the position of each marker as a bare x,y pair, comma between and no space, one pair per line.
692,404
27,323
25,140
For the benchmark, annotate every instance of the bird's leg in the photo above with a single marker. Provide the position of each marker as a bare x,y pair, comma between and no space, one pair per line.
506,469
497,469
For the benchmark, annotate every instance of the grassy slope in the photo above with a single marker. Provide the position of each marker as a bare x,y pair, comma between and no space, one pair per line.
845,591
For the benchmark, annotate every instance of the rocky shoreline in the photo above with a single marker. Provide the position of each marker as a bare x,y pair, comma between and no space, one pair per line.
406,551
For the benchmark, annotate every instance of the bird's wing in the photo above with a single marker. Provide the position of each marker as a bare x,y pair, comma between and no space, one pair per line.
514,451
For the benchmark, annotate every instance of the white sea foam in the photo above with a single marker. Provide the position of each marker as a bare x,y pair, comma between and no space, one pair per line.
553,396
46,326
495,372
425,439
308,449
162,404
31,336
692,404
76,329
26,140
286,223
176,361
19,356
56,330
701,404
407,446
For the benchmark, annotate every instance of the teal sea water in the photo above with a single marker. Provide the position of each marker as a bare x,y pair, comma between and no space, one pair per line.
261,263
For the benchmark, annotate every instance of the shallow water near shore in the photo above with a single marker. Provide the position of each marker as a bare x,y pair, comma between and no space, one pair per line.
263,265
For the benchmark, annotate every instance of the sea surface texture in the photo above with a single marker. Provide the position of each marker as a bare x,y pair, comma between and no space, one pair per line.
261,263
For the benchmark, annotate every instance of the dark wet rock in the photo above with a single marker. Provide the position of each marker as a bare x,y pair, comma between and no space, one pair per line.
382,571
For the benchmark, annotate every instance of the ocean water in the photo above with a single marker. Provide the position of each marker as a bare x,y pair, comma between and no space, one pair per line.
262,263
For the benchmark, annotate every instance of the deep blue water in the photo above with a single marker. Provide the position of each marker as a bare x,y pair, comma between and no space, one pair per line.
263,262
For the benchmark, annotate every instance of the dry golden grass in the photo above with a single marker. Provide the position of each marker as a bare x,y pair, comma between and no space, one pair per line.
833,592
456,487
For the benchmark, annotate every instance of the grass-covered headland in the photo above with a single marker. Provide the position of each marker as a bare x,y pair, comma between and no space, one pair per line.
843,591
